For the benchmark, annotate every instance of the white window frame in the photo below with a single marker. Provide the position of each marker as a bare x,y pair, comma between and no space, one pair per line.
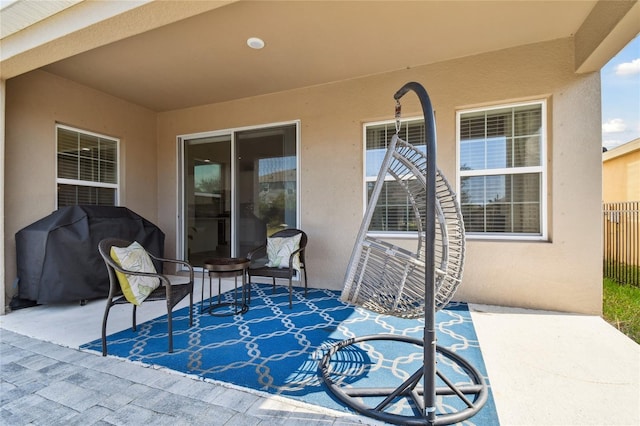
88,183
542,169
382,234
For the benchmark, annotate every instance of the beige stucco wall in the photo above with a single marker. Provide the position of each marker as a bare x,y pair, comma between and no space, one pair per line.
621,173
35,102
561,274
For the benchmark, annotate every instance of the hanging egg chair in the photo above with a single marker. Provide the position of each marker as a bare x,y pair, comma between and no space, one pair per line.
409,283
388,279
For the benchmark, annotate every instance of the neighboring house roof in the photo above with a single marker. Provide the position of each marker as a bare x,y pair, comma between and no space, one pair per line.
621,173
288,175
167,55
621,150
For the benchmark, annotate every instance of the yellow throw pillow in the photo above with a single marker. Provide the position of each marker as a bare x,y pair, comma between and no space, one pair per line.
135,288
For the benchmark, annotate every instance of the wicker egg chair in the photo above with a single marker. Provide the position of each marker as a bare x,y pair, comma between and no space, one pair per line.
388,279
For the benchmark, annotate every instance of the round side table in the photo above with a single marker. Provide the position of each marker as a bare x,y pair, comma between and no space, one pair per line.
221,268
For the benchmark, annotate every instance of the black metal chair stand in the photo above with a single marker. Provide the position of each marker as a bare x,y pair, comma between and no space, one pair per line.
472,395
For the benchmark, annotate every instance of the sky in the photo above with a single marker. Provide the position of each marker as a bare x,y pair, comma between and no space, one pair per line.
620,80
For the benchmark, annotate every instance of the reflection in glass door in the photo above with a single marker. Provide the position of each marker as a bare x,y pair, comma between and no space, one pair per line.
266,182
230,207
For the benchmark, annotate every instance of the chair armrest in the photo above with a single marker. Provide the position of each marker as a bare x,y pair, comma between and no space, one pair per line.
257,252
161,277
176,261
293,254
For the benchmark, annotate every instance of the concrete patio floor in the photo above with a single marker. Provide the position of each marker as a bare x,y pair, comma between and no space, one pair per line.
545,368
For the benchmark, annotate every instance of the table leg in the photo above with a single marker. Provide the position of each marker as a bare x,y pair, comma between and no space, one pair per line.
244,288
219,288
202,292
235,293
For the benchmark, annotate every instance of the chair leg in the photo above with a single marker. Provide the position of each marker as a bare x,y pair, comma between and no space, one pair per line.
304,268
202,292
290,293
104,328
274,284
133,316
191,308
170,325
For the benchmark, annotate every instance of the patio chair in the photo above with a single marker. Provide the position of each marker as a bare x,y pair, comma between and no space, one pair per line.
268,261
172,289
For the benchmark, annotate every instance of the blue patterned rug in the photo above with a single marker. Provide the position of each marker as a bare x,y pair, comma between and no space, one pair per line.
274,349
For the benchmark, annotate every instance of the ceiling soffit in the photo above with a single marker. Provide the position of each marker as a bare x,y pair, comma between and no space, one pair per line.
204,59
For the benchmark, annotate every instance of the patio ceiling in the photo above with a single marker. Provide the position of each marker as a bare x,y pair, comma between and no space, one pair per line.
204,58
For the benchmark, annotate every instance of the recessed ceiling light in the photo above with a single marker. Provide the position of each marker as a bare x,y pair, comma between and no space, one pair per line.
255,43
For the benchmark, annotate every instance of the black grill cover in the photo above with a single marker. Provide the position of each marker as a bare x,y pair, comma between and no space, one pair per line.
57,256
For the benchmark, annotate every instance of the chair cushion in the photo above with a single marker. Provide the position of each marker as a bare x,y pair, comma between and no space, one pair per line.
134,258
279,250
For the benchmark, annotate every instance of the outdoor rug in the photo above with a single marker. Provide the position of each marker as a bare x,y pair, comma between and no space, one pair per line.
274,349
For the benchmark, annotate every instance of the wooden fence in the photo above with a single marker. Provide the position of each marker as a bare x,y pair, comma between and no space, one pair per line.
622,242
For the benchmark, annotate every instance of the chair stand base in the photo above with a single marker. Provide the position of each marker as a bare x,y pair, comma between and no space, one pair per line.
472,395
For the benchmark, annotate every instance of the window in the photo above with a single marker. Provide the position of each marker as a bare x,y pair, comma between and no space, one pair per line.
502,185
87,168
393,213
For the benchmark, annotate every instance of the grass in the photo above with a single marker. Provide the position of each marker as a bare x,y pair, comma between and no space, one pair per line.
621,307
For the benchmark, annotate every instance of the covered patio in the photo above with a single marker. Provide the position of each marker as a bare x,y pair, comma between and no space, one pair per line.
150,77
544,367
155,78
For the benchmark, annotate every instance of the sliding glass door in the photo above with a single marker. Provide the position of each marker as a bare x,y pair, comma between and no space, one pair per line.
238,187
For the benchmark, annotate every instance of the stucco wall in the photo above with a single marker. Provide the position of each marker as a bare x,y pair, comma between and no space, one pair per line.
561,274
35,102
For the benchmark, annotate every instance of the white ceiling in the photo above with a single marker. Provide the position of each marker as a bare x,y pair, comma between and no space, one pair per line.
204,59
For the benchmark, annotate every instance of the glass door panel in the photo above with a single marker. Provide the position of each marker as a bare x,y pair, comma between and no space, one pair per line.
207,192
266,182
